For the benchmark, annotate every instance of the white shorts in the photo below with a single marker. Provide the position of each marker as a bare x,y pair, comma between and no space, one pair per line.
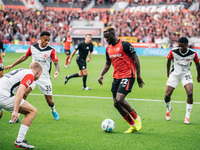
174,80
7,103
44,85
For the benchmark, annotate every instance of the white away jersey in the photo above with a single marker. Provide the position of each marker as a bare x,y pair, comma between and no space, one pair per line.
11,81
44,56
182,62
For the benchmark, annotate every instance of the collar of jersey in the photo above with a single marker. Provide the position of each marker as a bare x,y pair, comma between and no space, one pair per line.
185,52
44,47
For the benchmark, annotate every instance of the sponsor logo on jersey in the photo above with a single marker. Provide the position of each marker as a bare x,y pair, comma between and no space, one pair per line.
45,56
117,49
28,82
40,60
116,55
87,47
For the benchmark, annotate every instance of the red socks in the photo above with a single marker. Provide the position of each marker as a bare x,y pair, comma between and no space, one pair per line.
129,119
133,114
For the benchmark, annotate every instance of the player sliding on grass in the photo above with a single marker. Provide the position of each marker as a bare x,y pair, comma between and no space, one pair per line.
44,54
126,63
182,57
19,80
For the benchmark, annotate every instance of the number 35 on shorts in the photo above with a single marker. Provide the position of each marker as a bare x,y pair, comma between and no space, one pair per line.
48,87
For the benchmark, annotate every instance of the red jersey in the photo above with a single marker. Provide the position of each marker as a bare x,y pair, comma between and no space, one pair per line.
120,56
68,40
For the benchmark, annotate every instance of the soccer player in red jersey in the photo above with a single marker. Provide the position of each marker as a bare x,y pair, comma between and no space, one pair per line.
182,57
18,81
1,62
67,40
126,64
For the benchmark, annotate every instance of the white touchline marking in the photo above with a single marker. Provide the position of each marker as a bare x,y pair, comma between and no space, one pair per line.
131,99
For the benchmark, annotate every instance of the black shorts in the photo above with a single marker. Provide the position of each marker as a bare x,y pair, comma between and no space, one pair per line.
123,86
67,52
81,63
1,67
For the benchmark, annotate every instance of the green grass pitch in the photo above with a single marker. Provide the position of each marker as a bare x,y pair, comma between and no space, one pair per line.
81,112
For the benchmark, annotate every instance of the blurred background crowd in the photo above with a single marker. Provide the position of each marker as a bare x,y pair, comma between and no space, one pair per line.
25,25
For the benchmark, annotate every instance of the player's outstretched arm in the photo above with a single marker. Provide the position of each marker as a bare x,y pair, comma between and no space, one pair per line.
57,69
105,69
137,66
168,67
21,59
198,71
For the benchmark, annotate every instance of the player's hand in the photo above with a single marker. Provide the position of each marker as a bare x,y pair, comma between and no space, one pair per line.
14,116
8,67
140,82
3,54
55,75
88,59
168,74
69,60
100,80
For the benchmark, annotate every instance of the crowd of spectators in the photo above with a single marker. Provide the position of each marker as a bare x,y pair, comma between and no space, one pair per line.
131,2
26,25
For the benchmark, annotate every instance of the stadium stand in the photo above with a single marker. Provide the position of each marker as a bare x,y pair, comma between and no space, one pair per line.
24,25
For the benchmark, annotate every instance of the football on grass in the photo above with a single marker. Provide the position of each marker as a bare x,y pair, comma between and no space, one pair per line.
108,125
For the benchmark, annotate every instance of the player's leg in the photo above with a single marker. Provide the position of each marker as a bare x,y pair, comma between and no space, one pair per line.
124,88
67,52
52,106
172,83
45,87
124,113
28,90
168,92
85,73
189,91
29,112
80,74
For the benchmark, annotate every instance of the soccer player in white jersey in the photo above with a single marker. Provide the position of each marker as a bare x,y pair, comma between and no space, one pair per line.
44,54
19,80
182,57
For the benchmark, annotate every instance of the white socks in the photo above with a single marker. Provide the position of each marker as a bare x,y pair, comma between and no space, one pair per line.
22,133
188,110
168,105
52,108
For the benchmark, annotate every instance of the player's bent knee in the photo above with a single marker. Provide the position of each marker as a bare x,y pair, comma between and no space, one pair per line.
35,111
116,104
